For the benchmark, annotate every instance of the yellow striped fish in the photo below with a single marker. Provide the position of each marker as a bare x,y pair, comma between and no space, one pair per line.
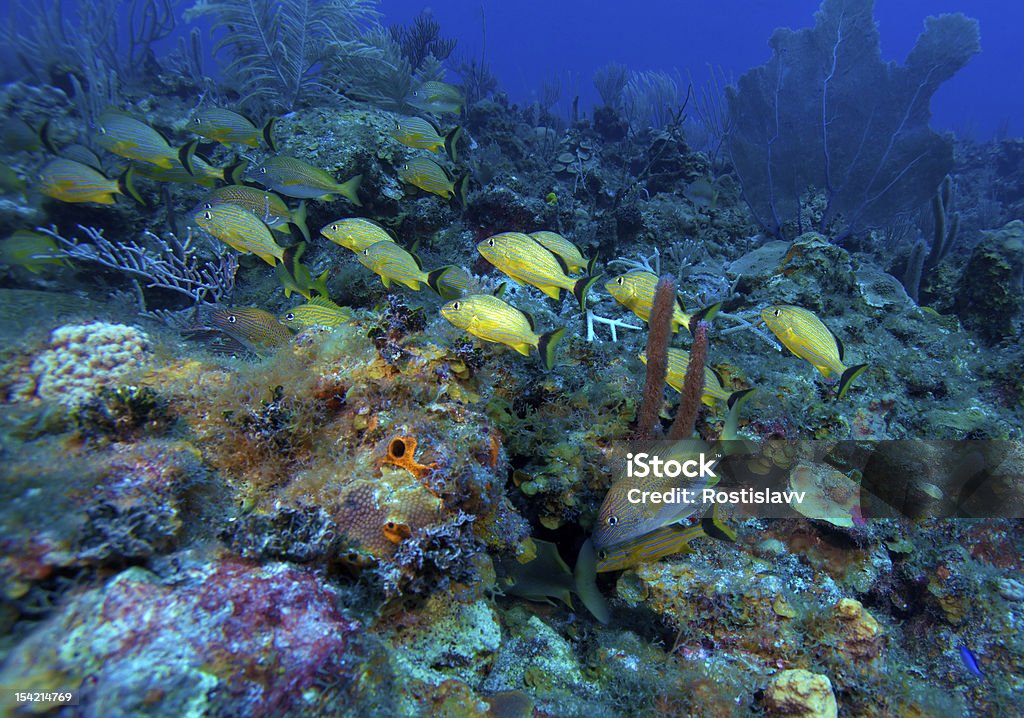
71,181
678,361
454,283
635,291
569,252
422,134
620,519
317,312
32,250
355,233
663,542
807,336
431,177
494,320
265,205
125,136
295,178
240,229
525,260
436,97
392,263
202,172
254,327
296,277
228,127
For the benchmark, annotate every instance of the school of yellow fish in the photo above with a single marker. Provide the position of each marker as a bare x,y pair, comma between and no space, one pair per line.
245,217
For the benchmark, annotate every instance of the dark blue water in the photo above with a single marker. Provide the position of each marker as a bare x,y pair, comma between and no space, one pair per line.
533,42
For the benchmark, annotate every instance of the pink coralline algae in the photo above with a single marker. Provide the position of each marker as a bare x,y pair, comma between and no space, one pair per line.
261,640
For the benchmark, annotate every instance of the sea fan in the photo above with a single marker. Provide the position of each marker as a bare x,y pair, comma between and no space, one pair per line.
279,49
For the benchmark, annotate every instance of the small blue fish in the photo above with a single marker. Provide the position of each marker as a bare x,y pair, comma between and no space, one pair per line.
970,660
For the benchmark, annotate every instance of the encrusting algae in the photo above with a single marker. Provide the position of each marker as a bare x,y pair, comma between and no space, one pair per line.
288,488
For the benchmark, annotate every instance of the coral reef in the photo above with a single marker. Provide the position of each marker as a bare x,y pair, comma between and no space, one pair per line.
82,358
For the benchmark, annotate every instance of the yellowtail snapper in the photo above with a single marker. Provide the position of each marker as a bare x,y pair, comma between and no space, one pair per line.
528,262
32,250
240,229
229,127
392,263
317,312
678,361
620,520
423,134
807,337
255,328
657,544
355,233
123,135
635,291
494,320
71,181
427,175
568,251
266,205
436,97
295,178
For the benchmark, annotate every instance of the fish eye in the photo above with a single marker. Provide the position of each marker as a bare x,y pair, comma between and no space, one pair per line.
198,121
612,520
456,306
490,242
776,312
208,205
366,252
232,319
602,554
207,215
289,316
620,281
335,228
263,170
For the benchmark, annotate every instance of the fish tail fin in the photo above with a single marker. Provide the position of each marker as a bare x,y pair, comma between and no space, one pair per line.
547,344
735,402
299,219
460,188
233,172
320,284
581,289
715,527
126,185
268,134
46,138
848,376
450,142
585,582
185,155
350,190
704,315
434,277
592,264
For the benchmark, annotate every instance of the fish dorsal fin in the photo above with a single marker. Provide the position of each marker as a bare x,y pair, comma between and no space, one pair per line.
323,303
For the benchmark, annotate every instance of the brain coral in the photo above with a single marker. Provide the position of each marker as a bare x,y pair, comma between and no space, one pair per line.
82,358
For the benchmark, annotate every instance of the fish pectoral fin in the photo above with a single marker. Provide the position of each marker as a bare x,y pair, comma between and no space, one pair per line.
523,348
